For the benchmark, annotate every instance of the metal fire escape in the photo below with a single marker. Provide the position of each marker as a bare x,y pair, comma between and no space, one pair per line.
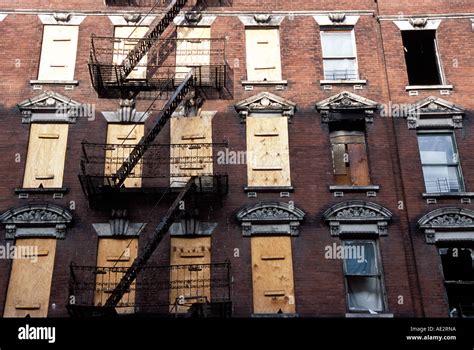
113,80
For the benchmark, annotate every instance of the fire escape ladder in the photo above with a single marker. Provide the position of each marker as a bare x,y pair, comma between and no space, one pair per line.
165,114
157,28
160,231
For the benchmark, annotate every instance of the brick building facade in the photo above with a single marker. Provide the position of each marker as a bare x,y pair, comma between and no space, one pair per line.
353,117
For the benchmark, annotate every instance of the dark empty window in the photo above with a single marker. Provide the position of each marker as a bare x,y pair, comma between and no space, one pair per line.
458,269
421,55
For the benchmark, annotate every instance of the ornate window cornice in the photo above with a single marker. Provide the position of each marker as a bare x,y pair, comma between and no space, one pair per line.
336,19
36,220
346,102
194,19
270,218
119,226
131,19
448,224
434,112
50,107
62,18
418,24
265,102
261,20
357,217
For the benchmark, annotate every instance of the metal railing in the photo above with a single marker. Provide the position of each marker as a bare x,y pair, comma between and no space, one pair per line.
443,186
157,289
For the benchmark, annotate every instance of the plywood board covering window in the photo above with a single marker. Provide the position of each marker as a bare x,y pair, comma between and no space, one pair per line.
272,275
118,137
349,154
263,54
195,157
190,284
30,279
120,254
46,156
58,53
193,50
268,160
123,47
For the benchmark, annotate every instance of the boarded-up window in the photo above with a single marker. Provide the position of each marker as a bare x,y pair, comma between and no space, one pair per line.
263,54
191,148
120,141
58,53
30,280
190,276
46,156
123,47
272,275
193,49
113,259
350,158
268,161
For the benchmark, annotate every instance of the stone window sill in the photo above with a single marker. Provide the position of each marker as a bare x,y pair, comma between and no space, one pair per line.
54,82
371,188
367,315
268,189
260,82
428,87
275,315
343,82
41,190
449,195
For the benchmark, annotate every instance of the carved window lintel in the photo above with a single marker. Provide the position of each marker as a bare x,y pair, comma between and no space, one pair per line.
448,225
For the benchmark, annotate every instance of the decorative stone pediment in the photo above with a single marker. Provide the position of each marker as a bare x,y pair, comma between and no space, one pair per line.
119,226
51,107
62,18
448,224
265,102
357,217
336,19
270,218
346,102
434,112
261,20
194,19
417,24
131,19
36,220
126,113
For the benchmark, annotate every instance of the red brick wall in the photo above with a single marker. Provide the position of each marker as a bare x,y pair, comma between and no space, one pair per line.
394,162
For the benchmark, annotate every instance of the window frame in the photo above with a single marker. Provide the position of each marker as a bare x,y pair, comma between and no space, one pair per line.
460,177
379,275
350,30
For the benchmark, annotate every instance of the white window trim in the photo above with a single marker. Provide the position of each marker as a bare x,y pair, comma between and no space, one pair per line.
3,16
354,47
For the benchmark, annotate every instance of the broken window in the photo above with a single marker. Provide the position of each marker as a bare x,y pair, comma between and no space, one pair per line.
421,56
440,161
363,276
339,55
349,154
458,269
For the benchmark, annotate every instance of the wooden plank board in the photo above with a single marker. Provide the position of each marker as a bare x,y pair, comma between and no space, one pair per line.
191,284
358,164
123,47
58,53
30,282
268,160
263,54
190,160
273,284
192,53
126,134
120,253
46,155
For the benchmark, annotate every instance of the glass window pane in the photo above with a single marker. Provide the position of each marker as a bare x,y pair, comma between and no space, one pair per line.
337,44
442,179
437,149
340,69
360,258
364,293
